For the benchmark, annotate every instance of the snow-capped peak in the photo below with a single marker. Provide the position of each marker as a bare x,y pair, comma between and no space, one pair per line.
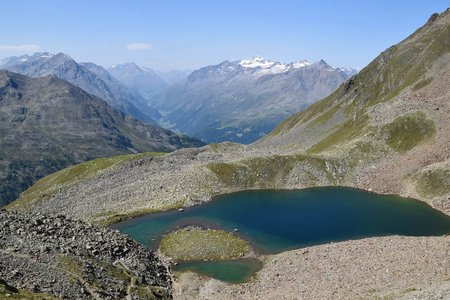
263,66
256,62
262,63
300,64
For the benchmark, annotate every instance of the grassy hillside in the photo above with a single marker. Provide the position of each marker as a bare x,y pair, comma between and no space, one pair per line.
46,186
408,66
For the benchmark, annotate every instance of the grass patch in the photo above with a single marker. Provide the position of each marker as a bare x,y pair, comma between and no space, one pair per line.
75,267
265,172
406,132
364,152
226,172
422,83
433,182
198,244
150,292
109,218
222,147
112,271
346,132
323,118
51,183
8,292
72,265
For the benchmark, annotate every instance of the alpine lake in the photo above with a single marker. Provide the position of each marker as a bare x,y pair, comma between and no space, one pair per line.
273,221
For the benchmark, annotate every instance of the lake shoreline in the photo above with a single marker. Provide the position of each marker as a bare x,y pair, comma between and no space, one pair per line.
132,217
385,208
387,267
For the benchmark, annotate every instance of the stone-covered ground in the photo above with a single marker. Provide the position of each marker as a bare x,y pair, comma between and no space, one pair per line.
74,260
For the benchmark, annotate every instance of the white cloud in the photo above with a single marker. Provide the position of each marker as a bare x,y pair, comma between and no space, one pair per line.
20,48
138,46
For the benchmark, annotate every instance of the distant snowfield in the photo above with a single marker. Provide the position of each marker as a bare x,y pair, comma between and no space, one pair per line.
271,67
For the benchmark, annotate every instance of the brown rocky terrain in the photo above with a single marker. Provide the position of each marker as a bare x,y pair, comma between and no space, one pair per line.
376,268
54,257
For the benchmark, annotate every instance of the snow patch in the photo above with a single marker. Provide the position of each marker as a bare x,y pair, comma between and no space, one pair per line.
271,67
256,62
300,64
49,55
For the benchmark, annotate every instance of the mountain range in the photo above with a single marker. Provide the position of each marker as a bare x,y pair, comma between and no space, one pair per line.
88,76
237,101
47,124
241,101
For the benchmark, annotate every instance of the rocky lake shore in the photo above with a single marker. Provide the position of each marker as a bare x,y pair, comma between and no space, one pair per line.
393,267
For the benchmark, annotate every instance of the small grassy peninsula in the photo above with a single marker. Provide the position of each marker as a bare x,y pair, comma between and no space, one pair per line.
194,243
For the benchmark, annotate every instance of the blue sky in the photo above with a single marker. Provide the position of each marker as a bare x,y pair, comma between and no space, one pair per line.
182,34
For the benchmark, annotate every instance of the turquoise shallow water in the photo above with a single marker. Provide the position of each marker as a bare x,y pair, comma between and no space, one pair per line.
275,221
233,271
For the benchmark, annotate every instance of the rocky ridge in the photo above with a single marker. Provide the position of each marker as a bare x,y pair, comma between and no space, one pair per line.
74,260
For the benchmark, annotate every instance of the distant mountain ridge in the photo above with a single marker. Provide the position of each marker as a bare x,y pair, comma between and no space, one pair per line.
142,80
88,76
241,101
174,76
47,124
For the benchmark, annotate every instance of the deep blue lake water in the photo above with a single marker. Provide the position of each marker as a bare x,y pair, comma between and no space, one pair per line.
275,221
